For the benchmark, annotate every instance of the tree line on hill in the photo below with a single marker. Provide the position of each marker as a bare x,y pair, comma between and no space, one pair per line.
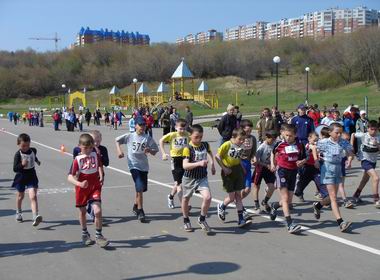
336,61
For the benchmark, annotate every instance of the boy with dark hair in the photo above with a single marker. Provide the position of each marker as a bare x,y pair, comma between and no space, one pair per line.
26,177
228,157
368,153
197,155
139,145
287,156
87,176
177,140
263,171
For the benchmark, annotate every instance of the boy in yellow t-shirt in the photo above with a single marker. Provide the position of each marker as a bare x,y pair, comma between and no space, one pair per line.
177,140
228,157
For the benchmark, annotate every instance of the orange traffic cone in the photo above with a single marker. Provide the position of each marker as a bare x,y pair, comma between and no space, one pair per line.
63,149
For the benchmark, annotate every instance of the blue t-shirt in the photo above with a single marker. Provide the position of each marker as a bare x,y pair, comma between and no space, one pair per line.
304,125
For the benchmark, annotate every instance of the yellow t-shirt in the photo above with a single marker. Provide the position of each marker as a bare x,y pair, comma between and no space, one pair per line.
230,154
177,143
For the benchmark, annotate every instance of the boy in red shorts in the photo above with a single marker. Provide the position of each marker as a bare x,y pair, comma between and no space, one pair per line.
87,174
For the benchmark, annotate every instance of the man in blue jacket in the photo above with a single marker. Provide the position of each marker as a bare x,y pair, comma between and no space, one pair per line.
303,123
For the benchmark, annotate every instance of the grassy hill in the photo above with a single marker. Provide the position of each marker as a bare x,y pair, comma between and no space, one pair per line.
291,93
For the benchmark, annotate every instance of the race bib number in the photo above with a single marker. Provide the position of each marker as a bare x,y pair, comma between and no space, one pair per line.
199,156
291,149
87,163
234,152
138,147
180,142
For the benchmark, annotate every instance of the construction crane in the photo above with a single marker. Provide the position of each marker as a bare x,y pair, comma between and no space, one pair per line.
55,39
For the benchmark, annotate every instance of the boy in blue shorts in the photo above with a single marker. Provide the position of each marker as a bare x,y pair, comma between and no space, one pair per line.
139,145
26,177
368,153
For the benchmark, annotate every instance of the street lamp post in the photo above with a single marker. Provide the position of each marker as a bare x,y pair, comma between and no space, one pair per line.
307,69
64,95
135,84
276,61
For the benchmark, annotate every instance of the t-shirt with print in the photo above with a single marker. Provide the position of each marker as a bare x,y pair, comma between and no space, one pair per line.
264,152
287,154
369,149
333,152
136,144
177,142
230,154
87,168
196,153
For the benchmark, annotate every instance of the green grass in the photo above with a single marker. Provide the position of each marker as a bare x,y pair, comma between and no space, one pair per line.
291,93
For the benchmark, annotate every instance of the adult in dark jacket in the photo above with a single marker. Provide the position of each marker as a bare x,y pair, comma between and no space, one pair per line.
303,123
227,124
87,116
189,117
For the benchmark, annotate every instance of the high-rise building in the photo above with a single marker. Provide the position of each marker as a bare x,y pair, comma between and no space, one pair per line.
201,37
317,25
88,36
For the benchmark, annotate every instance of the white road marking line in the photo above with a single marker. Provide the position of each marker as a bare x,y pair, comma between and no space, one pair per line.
305,228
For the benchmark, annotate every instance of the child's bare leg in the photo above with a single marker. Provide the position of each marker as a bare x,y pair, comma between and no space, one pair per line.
284,193
82,218
245,192
185,206
98,215
342,190
255,193
33,201
19,198
139,200
230,198
332,189
206,202
270,190
363,182
375,183
238,201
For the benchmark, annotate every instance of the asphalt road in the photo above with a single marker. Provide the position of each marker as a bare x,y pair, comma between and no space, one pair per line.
160,249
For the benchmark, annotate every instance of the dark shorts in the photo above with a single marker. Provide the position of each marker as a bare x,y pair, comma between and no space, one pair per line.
22,182
368,165
235,181
286,178
260,173
141,180
177,169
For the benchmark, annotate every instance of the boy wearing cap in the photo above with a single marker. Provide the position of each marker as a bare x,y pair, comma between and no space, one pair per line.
139,145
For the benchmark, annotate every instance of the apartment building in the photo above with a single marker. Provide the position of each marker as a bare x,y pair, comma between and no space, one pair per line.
201,37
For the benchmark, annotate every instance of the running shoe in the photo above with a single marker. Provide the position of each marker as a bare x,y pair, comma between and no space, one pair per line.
294,228
37,220
204,225
247,215
318,196
266,206
187,227
86,240
377,204
101,241
170,202
317,212
256,207
273,213
357,200
19,217
134,209
221,213
348,204
243,222
344,226
141,216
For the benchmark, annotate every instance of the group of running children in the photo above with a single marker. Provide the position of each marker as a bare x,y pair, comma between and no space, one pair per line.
278,160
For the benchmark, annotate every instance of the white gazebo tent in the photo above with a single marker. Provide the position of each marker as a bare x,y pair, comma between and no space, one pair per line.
162,88
143,90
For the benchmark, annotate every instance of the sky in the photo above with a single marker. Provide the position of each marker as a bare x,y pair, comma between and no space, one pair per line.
163,20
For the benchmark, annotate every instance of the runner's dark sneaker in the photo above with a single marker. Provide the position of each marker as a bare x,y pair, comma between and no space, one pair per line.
273,213
294,228
141,216
221,213
170,202
317,212
204,225
344,226
134,209
266,206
